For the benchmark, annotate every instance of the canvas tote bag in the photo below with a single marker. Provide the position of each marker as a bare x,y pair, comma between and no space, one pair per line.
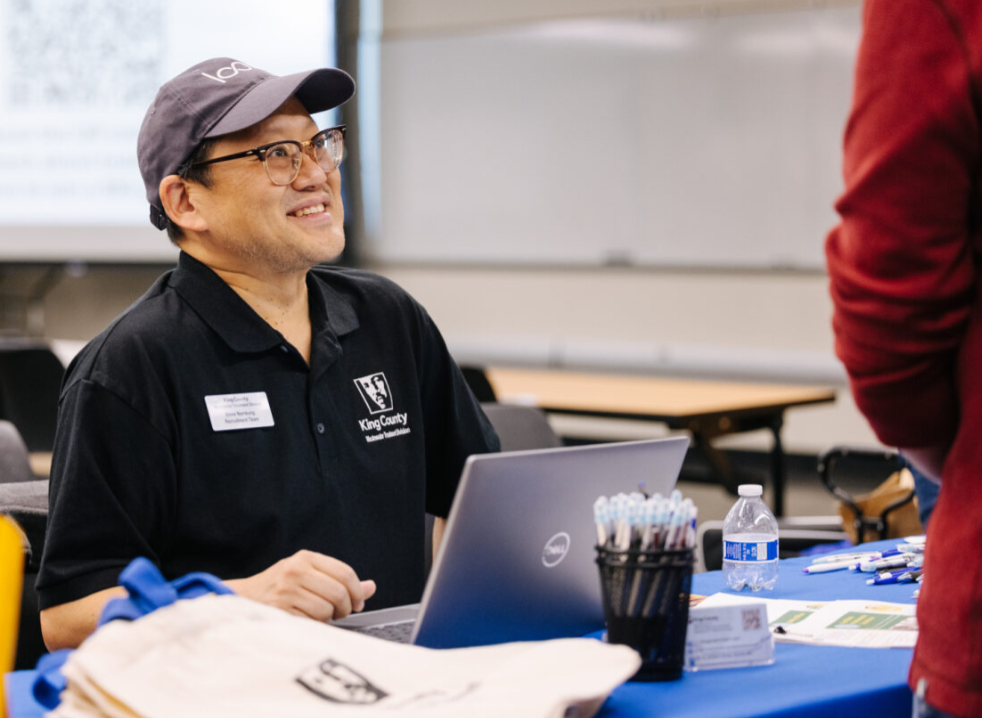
224,656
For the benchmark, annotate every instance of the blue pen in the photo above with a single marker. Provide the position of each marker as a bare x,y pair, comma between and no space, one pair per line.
897,561
881,581
887,577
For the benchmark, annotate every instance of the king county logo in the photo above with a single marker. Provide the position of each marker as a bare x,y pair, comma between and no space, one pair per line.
375,392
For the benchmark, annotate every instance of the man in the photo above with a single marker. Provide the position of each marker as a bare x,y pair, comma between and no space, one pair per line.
904,275
220,424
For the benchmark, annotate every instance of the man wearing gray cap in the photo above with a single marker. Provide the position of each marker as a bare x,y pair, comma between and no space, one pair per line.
281,425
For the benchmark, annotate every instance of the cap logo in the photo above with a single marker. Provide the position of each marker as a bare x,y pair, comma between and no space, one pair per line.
228,72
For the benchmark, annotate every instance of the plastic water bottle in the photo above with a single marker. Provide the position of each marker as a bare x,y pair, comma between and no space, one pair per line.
750,542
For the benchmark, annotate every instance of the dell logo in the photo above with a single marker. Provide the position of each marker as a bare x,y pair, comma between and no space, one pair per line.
555,550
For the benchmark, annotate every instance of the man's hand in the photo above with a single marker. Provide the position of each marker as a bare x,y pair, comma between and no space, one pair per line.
308,584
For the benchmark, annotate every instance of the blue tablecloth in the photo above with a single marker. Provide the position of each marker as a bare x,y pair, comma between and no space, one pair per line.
804,680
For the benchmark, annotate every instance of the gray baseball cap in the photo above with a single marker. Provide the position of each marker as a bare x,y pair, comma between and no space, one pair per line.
214,98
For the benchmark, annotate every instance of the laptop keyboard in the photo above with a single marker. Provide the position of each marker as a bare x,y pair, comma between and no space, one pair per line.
401,632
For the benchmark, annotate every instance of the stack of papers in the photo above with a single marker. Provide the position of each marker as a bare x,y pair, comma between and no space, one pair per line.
860,623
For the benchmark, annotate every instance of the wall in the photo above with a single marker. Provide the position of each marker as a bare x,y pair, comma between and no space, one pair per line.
775,318
726,313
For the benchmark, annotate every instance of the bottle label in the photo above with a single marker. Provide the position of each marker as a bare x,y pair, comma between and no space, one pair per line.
750,550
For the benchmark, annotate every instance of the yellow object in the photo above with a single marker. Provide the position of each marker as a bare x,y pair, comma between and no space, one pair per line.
11,577
904,521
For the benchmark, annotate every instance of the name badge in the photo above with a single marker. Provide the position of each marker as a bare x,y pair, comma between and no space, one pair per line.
230,412
728,635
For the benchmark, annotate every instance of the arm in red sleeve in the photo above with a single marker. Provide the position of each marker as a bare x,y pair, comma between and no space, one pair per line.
900,262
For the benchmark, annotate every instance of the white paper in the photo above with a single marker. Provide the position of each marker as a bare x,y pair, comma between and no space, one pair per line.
859,623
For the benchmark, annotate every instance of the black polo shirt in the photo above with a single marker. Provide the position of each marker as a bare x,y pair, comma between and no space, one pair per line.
192,433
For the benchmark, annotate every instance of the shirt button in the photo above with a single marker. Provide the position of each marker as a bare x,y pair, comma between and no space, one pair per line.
284,348
320,429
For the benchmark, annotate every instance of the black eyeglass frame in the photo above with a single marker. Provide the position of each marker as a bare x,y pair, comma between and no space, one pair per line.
260,153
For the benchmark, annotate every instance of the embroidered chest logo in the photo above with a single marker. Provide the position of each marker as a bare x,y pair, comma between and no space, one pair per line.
375,391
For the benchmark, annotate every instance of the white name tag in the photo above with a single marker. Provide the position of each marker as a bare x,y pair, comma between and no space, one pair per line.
732,635
229,412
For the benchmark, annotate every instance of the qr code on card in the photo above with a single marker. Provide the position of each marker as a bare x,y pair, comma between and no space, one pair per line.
81,52
752,620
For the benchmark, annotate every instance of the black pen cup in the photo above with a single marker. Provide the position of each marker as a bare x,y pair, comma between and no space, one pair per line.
646,606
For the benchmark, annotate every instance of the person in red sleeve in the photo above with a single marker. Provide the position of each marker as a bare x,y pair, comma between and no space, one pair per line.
907,317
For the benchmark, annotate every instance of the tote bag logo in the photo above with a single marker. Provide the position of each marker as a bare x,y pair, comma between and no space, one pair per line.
338,683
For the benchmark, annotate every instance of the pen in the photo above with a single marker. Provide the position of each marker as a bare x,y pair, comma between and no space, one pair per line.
602,518
854,557
828,566
882,579
892,562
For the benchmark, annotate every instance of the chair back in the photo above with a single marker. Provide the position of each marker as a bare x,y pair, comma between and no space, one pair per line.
30,384
889,510
521,427
15,463
478,382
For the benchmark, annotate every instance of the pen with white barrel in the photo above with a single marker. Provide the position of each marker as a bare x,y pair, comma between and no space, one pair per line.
829,566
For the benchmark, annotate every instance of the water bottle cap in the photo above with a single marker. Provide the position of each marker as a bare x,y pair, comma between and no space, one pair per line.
750,490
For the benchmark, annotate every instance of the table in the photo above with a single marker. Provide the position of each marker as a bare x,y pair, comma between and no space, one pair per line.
706,409
805,681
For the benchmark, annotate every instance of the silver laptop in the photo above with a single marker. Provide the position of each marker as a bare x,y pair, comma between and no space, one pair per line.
517,558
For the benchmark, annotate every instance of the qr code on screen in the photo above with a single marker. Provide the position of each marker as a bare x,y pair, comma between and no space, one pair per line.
100,53
752,619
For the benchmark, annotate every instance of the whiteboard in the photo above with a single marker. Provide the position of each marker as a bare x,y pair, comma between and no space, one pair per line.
706,141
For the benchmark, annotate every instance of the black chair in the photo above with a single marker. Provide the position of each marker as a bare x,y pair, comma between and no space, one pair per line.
880,463
859,469
521,427
478,382
15,465
796,534
30,383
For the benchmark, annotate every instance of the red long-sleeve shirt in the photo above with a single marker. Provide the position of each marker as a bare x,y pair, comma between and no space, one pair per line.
907,319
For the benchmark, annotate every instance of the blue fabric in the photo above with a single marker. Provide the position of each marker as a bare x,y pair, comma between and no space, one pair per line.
148,590
19,694
805,681
927,493
822,548
31,693
49,681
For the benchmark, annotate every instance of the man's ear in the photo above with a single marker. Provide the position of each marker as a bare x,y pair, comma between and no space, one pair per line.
176,200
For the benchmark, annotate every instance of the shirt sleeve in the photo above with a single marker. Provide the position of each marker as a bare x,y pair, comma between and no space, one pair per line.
900,262
104,509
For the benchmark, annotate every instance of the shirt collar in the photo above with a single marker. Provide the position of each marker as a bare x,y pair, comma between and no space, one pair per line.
238,324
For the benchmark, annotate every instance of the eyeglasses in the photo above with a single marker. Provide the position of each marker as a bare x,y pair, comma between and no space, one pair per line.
282,159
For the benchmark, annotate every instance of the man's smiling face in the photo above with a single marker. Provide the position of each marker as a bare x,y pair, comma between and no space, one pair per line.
253,224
